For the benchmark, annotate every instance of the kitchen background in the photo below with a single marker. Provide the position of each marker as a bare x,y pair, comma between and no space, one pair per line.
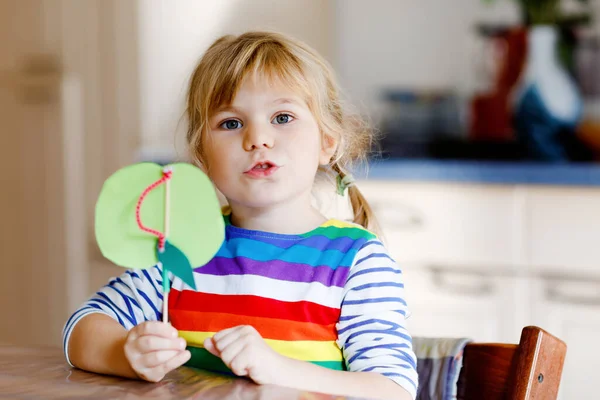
485,178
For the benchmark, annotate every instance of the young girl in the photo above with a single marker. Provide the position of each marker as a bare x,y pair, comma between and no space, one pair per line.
291,298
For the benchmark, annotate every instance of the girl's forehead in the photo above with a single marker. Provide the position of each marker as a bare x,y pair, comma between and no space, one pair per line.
265,89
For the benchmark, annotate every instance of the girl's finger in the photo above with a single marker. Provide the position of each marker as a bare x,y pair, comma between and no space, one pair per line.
155,358
225,332
232,350
239,364
148,343
156,374
209,345
175,362
223,341
156,328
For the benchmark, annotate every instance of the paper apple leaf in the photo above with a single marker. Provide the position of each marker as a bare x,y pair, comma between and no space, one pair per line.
196,226
175,261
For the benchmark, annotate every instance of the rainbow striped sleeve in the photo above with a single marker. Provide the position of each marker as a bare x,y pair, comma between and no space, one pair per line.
371,327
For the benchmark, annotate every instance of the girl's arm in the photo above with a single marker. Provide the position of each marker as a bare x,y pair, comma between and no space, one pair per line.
372,326
148,351
246,353
94,336
97,344
306,376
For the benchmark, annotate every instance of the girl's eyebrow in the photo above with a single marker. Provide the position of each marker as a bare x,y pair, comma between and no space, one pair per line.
279,101
228,108
286,100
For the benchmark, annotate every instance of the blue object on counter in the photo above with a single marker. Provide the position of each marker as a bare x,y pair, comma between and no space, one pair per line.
548,103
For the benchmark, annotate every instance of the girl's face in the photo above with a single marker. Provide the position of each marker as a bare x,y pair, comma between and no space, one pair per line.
264,149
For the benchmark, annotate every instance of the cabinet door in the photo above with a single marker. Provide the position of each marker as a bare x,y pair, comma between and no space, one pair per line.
563,228
570,309
447,223
450,303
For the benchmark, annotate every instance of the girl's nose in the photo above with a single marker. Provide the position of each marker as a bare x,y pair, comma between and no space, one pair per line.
257,137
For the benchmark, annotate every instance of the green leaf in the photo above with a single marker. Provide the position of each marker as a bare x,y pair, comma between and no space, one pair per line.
173,260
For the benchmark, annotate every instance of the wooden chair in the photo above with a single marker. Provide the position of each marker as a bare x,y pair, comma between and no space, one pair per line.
530,370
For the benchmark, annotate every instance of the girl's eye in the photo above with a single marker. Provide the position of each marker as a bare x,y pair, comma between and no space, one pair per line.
282,119
231,124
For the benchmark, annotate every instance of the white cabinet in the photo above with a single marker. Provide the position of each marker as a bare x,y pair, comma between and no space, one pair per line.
570,309
451,303
483,261
563,228
455,224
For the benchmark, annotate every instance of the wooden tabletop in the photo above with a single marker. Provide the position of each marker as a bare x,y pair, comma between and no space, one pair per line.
42,373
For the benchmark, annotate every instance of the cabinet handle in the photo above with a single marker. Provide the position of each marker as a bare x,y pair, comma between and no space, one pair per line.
398,215
441,279
556,295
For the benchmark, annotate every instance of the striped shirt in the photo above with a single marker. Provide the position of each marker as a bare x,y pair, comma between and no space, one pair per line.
332,296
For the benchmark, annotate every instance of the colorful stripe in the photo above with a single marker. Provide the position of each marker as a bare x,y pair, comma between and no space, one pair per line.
275,269
305,350
261,251
317,242
331,229
254,306
202,359
275,289
334,229
269,328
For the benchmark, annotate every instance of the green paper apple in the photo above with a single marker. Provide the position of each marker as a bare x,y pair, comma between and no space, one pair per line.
196,226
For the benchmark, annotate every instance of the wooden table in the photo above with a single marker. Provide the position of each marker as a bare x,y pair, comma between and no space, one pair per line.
42,373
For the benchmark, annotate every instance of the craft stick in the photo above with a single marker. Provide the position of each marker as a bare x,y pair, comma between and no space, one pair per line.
166,302
167,206
166,286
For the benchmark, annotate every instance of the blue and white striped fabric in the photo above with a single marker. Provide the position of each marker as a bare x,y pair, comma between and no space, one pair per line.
372,329
130,299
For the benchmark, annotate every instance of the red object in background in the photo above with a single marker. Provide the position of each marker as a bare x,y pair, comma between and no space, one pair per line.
491,112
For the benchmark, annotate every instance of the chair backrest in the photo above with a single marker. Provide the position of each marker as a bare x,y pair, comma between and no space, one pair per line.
530,370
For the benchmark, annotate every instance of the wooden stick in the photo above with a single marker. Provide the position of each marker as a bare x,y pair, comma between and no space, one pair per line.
166,286
165,304
167,206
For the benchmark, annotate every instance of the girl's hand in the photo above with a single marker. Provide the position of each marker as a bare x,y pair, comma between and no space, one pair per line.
246,353
153,350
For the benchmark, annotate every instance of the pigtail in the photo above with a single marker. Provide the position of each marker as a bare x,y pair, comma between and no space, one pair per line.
363,213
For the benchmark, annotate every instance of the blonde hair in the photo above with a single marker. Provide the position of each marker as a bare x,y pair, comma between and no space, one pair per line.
230,59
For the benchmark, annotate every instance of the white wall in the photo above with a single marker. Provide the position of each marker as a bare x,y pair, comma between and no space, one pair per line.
426,44
174,34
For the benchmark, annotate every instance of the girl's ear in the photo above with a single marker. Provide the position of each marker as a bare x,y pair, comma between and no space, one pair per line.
329,145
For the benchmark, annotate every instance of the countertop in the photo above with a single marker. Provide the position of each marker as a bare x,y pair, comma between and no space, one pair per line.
483,172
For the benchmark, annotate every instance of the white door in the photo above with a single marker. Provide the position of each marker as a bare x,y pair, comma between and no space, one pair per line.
570,309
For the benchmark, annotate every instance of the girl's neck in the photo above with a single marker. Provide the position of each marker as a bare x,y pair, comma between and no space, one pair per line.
291,218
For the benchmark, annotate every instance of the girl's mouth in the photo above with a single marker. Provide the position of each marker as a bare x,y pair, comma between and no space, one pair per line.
262,169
